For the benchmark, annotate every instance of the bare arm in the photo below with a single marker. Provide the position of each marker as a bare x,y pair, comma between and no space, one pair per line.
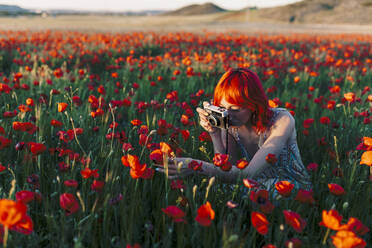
280,133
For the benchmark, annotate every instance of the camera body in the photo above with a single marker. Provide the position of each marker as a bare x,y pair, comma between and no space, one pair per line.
218,117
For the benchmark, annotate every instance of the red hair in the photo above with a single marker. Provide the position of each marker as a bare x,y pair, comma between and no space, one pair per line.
243,88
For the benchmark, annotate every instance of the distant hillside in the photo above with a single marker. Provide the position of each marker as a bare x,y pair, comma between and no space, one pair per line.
12,9
197,9
310,11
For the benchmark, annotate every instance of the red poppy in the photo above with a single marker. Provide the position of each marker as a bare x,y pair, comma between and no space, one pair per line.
324,120
204,136
294,220
2,168
250,184
261,197
205,214
156,156
260,222
26,196
36,148
69,203
136,122
195,166
307,123
336,189
56,123
271,159
355,226
71,183
222,161
284,188
87,173
175,213
97,185
305,196
185,120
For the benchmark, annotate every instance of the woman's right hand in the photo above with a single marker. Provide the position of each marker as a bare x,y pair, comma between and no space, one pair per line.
204,123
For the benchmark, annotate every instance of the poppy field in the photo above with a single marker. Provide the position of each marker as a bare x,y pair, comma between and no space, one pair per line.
85,116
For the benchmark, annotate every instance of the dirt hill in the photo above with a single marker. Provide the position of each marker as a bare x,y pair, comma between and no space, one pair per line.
197,9
310,11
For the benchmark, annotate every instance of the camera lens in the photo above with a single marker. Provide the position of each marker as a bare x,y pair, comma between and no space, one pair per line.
213,120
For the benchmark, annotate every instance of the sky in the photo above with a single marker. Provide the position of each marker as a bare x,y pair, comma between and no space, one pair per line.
138,5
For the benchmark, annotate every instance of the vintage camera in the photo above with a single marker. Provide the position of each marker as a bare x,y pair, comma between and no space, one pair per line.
218,117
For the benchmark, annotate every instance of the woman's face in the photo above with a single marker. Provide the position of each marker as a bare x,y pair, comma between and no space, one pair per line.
238,116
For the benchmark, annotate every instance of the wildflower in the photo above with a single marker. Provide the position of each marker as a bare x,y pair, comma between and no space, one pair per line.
204,136
307,123
222,161
205,214
284,188
97,185
71,183
294,220
324,120
13,216
260,222
56,123
26,196
62,106
36,148
69,203
175,213
242,164
356,226
195,166
336,189
249,183
347,239
136,122
271,159
312,167
350,97
261,197
87,173
331,219
366,158
305,196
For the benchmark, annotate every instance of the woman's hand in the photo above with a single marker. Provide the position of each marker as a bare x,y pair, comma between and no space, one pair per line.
204,123
177,167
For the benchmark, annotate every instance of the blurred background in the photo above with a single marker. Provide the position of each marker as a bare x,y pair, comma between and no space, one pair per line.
346,16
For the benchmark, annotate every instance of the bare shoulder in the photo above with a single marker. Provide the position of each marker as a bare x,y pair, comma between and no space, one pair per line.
284,121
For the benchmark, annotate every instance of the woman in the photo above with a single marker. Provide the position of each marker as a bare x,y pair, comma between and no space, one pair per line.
255,131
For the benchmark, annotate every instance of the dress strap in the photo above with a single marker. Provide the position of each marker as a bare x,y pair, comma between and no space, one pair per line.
238,141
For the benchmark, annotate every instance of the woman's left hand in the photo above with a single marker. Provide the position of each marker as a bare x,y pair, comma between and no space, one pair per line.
177,167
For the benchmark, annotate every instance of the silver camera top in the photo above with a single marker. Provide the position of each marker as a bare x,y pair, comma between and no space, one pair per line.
215,109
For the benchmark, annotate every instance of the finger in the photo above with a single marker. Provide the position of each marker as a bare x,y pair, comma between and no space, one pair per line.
202,112
205,104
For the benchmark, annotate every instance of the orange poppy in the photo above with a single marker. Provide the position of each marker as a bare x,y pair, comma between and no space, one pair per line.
350,96
11,212
62,106
366,158
331,219
242,164
367,141
347,239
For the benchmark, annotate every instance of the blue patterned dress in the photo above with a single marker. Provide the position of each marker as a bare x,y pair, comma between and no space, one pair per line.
289,166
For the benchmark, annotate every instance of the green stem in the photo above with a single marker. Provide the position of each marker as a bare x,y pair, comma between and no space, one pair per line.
326,236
